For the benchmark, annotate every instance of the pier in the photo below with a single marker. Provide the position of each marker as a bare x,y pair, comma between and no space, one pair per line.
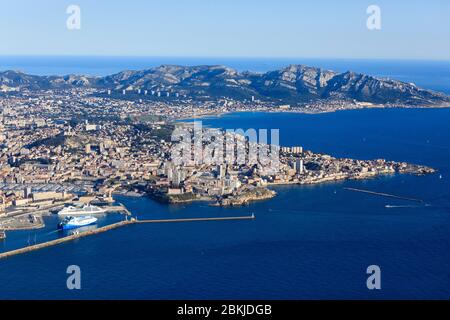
119,208
111,227
384,194
62,240
196,219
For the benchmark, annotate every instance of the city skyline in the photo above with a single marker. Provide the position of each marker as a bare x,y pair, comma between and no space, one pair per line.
239,150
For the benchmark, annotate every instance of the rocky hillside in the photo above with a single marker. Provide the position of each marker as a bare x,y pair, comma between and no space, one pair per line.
293,84
19,80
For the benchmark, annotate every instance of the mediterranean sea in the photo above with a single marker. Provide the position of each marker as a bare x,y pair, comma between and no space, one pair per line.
309,242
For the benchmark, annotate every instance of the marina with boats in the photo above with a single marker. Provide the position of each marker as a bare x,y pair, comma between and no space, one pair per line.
72,218
73,213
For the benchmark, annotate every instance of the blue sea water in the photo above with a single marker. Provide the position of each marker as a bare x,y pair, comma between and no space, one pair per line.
310,242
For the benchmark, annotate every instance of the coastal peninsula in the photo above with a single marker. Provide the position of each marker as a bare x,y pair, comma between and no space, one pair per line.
66,137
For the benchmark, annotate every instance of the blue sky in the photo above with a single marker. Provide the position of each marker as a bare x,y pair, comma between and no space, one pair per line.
414,29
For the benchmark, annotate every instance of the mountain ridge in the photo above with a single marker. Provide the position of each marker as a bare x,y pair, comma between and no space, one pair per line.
294,84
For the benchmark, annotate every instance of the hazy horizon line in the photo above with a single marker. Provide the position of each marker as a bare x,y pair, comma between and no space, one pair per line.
220,57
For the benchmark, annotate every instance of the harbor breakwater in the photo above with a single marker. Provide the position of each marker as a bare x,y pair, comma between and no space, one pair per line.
111,227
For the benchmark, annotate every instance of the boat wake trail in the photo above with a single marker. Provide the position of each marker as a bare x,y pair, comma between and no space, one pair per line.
389,206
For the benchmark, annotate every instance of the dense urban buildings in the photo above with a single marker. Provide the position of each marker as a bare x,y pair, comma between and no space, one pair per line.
58,145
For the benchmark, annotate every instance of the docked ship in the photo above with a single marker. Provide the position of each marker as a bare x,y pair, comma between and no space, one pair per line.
76,222
84,210
2,235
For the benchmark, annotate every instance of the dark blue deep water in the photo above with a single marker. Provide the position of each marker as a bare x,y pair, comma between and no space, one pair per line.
308,242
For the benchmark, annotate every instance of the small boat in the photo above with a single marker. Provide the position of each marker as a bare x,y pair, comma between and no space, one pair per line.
84,210
76,222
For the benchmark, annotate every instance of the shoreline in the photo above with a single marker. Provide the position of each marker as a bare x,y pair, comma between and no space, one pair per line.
244,199
317,112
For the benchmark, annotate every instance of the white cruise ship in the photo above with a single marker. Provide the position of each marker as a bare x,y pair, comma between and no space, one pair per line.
84,210
76,222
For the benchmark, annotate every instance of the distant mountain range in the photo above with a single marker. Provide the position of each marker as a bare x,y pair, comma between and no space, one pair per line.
294,84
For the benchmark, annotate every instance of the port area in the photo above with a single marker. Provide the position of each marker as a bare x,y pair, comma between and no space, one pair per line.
116,225
20,218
